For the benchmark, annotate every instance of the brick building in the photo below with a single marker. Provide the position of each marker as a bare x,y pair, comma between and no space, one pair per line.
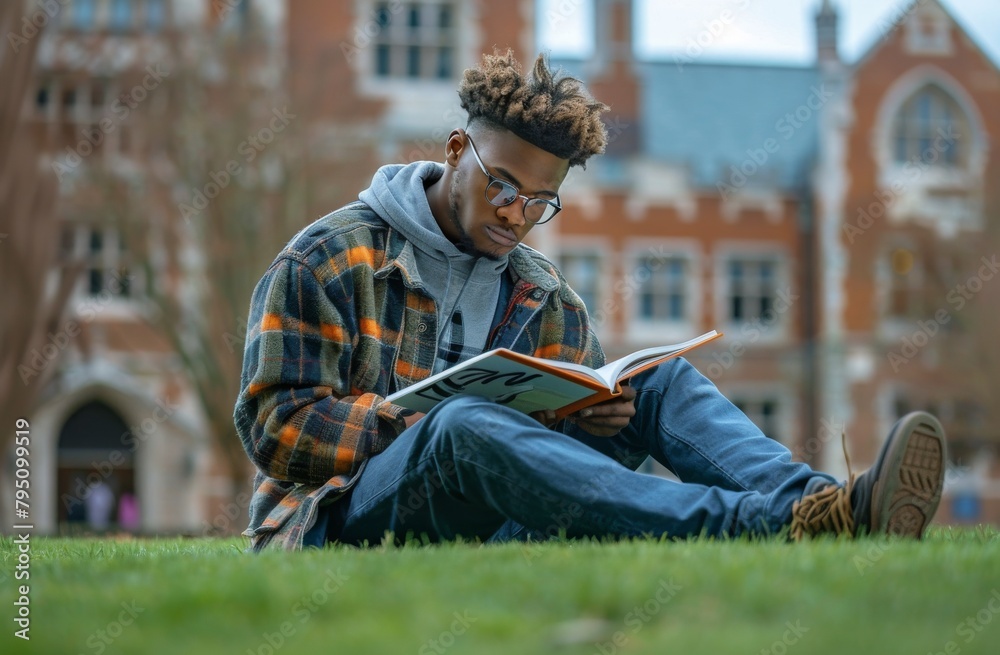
750,199
838,221
120,409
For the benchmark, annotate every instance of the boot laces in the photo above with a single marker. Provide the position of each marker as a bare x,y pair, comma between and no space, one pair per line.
828,510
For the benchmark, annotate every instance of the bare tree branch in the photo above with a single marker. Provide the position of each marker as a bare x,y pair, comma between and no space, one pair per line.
36,290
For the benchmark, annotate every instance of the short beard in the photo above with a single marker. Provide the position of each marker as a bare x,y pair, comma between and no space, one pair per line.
464,240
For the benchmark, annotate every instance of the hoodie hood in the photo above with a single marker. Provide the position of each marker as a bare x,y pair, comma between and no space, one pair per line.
398,194
465,288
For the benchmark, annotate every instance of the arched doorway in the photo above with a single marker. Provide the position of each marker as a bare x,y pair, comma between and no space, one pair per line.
96,473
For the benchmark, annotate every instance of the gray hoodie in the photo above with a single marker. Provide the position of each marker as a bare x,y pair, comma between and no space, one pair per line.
465,288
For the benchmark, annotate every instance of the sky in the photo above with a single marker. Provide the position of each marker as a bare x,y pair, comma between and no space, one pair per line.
765,31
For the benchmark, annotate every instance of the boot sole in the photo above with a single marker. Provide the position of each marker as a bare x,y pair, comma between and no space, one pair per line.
910,479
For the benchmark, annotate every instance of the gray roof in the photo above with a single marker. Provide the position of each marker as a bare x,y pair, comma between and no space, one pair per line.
706,116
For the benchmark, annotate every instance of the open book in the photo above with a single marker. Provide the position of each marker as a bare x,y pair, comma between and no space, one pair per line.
530,384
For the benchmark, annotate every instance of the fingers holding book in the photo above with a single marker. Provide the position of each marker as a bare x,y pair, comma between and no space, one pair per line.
610,417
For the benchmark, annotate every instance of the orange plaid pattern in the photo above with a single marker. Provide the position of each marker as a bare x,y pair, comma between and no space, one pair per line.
338,322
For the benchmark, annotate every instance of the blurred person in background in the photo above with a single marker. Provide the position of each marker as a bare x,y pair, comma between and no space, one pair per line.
100,504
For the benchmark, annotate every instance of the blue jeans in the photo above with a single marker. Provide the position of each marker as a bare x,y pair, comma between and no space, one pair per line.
476,469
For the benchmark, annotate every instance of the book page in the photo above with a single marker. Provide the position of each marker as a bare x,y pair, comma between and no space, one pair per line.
624,367
501,379
569,367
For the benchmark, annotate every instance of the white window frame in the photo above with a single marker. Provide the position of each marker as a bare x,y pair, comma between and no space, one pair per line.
771,333
79,111
602,321
960,120
416,107
97,17
371,83
640,331
399,37
926,194
164,16
936,41
893,327
132,12
911,283
48,113
112,305
238,15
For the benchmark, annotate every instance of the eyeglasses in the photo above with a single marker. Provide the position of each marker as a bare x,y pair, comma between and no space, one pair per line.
501,193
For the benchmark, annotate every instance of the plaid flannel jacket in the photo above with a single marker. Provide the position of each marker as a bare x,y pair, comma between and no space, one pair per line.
339,321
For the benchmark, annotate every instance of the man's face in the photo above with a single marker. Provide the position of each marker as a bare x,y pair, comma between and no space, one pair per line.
475,225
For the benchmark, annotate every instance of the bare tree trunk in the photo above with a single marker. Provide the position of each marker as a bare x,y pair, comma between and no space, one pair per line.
35,293
253,209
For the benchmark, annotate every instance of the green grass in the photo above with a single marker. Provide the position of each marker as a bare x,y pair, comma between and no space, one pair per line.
207,596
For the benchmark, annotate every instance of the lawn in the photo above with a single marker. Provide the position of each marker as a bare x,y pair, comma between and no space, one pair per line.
154,597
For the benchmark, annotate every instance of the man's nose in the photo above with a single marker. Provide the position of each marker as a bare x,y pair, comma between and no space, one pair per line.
513,213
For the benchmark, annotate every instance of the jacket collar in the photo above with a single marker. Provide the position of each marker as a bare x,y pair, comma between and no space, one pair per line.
532,267
526,263
399,254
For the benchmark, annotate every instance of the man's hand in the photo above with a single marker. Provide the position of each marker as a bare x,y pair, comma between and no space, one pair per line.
601,420
608,418
412,417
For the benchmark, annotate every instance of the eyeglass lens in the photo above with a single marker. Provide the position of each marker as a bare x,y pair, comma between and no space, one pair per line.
501,193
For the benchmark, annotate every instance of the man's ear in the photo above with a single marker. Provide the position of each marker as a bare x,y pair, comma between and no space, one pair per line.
454,147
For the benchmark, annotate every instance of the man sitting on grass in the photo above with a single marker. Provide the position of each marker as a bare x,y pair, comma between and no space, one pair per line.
426,270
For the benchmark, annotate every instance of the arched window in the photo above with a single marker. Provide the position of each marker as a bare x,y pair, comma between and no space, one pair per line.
931,128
